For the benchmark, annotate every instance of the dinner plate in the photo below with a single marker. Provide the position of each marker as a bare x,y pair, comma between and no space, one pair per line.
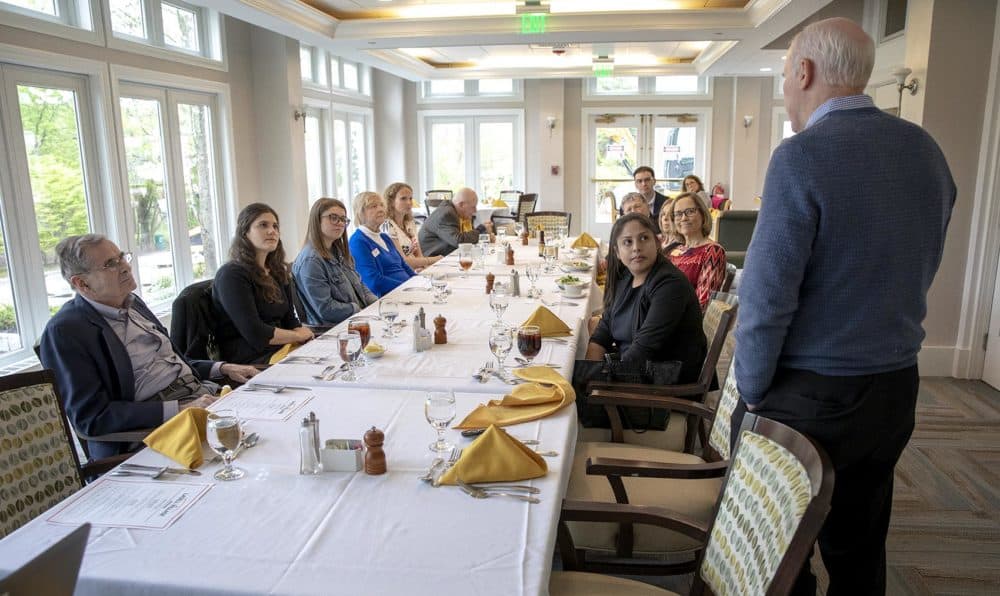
569,266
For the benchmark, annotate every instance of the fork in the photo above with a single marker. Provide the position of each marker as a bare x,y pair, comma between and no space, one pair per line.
484,372
452,459
558,302
480,493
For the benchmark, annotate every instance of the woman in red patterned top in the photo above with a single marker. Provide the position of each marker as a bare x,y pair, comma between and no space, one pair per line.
702,260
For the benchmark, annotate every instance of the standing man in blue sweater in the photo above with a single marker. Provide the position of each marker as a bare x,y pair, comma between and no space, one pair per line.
835,285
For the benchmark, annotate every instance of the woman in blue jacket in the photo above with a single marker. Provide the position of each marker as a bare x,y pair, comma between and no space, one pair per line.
378,262
328,285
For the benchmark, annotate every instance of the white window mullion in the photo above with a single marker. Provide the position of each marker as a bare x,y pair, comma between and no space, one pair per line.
154,20
176,199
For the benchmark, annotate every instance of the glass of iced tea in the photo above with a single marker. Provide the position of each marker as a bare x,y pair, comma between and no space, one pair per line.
224,435
529,341
465,258
364,329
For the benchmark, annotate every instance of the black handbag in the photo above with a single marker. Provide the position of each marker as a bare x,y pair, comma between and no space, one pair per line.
612,369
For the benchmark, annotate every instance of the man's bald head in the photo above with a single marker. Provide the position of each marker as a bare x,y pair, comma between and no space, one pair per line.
841,51
465,201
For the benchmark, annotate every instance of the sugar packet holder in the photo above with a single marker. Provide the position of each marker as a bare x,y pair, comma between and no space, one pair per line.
343,455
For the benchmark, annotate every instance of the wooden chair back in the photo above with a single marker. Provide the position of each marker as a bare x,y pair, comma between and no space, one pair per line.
548,219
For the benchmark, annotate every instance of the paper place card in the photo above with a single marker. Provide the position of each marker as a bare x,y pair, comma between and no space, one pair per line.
143,505
264,405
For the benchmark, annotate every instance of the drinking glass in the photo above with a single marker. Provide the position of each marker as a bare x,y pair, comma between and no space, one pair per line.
224,436
533,272
388,310
499,300
439,410
350,349
501,235
364,329
529,341
484,240
501,341
550,254
563,233
440,285
519,228
479,256
465,258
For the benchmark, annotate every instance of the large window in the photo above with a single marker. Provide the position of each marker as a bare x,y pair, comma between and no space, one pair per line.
674,145
452,90
49,187
631,86
169,141
173,25
73,13
483,151
325,72
338,150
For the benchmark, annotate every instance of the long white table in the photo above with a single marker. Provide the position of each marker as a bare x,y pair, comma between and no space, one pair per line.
278,532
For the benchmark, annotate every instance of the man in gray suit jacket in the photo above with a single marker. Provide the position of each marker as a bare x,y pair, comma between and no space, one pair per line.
441,234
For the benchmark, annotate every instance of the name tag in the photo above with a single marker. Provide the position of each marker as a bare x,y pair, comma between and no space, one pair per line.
375,252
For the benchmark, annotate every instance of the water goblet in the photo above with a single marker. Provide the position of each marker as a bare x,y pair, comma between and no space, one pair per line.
550,254
350,349
388,310
479,256
499,300
465,258
440,285
501,341
529,341
501,235
519,228
534,272
439,410
224,435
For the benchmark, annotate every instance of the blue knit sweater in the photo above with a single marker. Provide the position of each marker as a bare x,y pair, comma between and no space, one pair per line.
848,239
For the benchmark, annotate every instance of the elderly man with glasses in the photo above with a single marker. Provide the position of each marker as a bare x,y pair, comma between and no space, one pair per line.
116,367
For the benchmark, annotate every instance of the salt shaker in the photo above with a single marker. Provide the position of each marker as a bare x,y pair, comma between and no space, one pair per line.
314,421
309,462
515,283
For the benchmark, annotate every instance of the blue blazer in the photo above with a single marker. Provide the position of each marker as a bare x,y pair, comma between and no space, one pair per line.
381,270
94,373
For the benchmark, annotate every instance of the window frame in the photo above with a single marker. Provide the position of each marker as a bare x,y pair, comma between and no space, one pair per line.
471,118
81,27
211,35
330,111
883,13
471,94
647,90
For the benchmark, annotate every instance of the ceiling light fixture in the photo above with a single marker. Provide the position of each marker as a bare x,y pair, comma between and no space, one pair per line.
765,69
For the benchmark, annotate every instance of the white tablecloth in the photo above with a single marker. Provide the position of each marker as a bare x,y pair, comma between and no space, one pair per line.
277,532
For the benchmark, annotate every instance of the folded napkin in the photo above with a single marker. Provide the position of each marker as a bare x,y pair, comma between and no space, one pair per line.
585,240
547,393
180,438
284,351
496,457
548,323
498,203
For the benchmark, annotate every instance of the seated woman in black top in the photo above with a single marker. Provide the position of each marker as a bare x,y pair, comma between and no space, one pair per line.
252,293
651,311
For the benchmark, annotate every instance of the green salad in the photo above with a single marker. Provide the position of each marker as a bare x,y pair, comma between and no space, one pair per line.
568,280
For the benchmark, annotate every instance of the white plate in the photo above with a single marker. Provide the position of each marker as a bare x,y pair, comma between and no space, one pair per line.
571,266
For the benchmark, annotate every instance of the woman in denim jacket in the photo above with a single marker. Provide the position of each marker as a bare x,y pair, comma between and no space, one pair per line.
330,288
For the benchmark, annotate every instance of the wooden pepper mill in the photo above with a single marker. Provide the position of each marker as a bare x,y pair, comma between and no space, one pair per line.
374,455
440,334
490,278
510,255
524,237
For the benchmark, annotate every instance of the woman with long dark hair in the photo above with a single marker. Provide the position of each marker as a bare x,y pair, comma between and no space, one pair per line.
330,289
253,292
651,312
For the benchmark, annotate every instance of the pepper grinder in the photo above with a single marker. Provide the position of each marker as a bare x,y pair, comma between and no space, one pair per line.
510,255
490,278
374,454
440,334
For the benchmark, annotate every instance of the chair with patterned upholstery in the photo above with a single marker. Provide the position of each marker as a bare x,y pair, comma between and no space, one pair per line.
717,323
625,473
39,465
548,220
525,205
433,198
773,502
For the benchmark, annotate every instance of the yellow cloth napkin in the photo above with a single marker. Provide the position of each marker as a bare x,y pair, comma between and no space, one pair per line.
496,457
464,225
499,203
547,393
180,438
548,323
284,351
585,240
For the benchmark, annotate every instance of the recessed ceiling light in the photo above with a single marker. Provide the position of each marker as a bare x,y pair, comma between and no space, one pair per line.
766,69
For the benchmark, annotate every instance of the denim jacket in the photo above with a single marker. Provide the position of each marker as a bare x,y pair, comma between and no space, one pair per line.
330,290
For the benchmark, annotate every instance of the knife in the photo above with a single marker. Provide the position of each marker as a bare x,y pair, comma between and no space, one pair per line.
128,466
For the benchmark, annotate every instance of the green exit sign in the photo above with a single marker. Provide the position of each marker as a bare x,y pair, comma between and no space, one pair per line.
603,70
533,23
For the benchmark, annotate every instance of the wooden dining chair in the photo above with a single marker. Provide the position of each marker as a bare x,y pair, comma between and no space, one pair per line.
433,198
627,473
40,464
548,219
774,500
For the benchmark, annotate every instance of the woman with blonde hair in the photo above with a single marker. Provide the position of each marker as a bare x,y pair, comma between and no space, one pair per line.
376,258
330,289
400,226
702,260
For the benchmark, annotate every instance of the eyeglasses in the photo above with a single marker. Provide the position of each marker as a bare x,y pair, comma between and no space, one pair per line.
116,263
337,219
689,212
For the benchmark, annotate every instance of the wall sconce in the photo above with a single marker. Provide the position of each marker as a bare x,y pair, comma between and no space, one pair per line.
747,121
900,75
550,123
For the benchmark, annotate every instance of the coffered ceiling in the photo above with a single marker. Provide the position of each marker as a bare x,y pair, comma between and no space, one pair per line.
439,39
